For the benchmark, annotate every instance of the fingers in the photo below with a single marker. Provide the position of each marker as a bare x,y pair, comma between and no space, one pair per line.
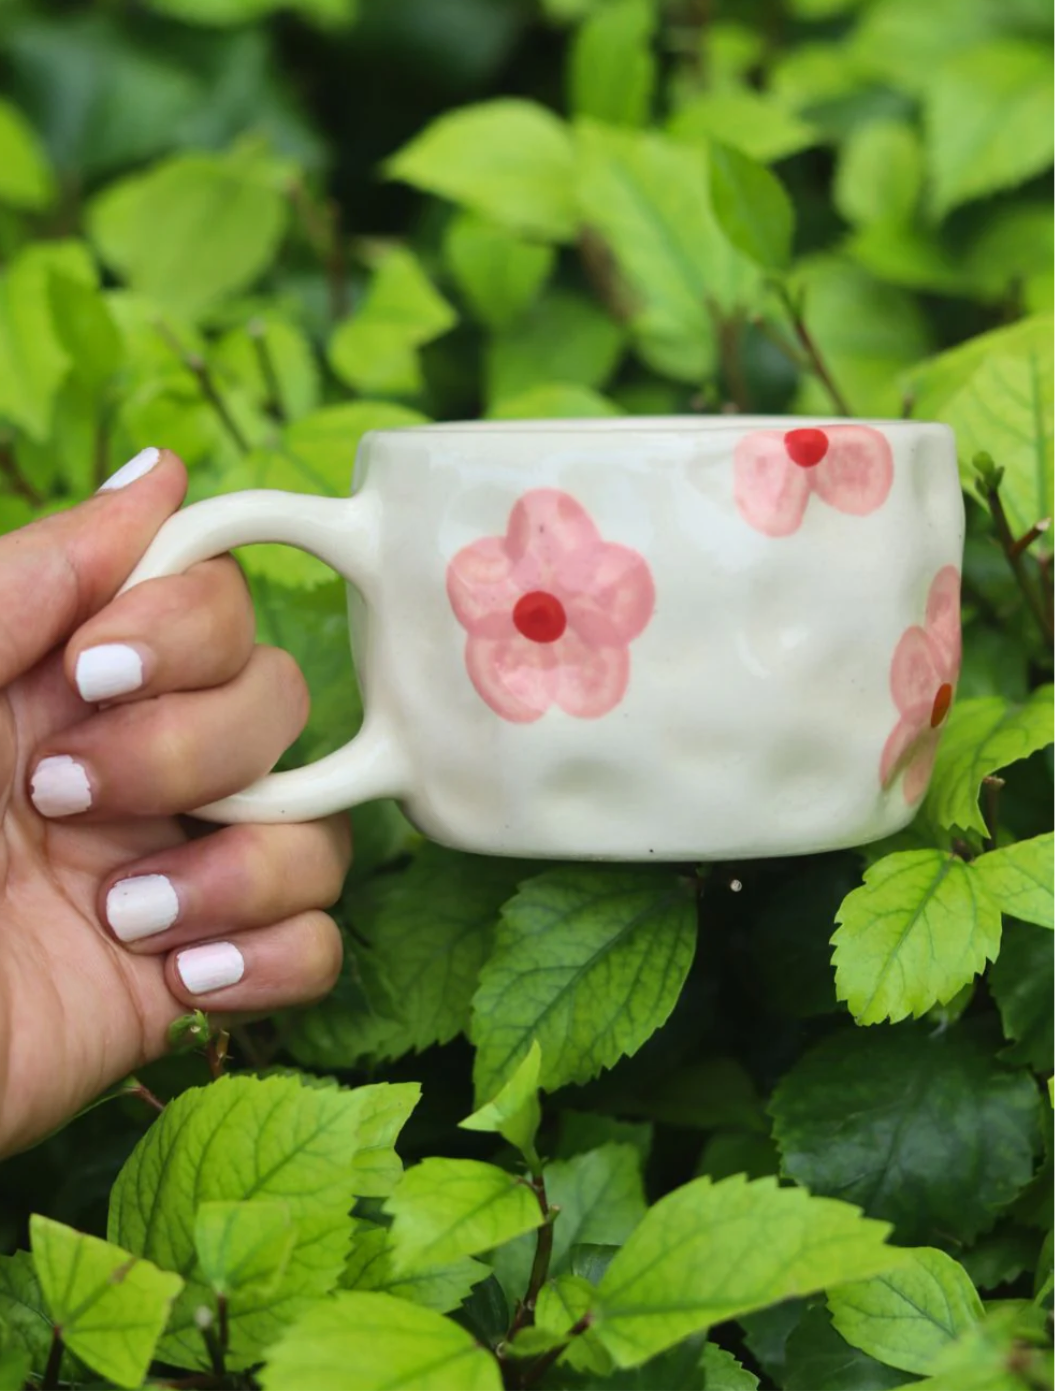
184,633
166,756
292,962
230,882
57,572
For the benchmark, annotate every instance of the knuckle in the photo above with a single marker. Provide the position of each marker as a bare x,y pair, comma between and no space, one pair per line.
286,677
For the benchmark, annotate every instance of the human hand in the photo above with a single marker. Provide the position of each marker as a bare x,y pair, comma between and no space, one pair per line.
113,922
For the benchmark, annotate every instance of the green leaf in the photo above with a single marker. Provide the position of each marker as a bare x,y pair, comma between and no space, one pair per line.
357,1022
86,329
879,174
565,338
498,272
25,1321
752,208
759,126
709,1252
448,1208
110,1305
588,961
15,1364
272,360
376,349
1021,984
377,1343
243,1139
554,401
432,932
923,1129
1019,878
515,1113
1002,1255
26,180
918,929
992,1356
561,1304
242,1245
981,737
722,1372
371,1266
509,160
906,1317
904,44
817,1359
987,118
194,228
611,67
318,451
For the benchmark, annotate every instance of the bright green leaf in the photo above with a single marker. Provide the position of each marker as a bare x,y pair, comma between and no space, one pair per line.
320,449
111,1306
515,1113
554,401
242,1244
371,1266
722,1372
448,1208
904,43
710,1252
15,1364
611,67
906,1317
759,126
86,329
981,737
590,961
246,1138
923,1129
508,159
25,1321
1019,878
992,1356
498,272
271,359
377,1343
566,337
26,180
752,208
561,1304
879,174
1021,983
817,1359
918,929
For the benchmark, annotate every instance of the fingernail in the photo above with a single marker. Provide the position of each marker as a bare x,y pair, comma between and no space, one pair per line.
210,967
142,463
140,906
60,786
111,669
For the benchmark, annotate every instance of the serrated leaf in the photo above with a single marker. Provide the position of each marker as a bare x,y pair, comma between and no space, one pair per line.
515,1113
371,1266
111,1306
562,1302
589,962
987,118
906,1317
611,66
243,1244
26,180
722,1372
1002,1255
1021,984
245,1138
925,1130
565,339
375,350
507,159
1019,878
498,272
377,1343
752,207
817,1359
448,1208
981,737
709,1252
921,926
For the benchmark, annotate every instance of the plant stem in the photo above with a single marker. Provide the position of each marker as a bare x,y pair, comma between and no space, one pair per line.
1034,533
257,331
730,340
225,1331
196,364
525,1314
50,1380
145,1094
19,485
992,786
1014,551
538,1369
818,366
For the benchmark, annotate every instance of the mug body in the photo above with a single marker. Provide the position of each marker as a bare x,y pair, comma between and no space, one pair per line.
671,639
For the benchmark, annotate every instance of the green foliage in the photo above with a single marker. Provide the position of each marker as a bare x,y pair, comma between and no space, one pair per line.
515,1113
752,208
447,1208
372,1266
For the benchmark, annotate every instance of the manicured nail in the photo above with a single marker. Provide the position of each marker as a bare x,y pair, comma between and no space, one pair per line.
210,967
140,906
60,787
111,669
142,463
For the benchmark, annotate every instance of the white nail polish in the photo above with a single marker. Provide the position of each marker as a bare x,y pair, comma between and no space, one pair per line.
141,906
202,969
60,787
141,463
111,669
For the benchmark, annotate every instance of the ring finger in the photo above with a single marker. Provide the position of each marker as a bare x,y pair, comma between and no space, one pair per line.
290,963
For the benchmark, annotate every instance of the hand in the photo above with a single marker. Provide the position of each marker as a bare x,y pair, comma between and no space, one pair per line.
112,921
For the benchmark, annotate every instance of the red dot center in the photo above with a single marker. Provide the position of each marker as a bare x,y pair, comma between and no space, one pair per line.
940,708
806,447
540,616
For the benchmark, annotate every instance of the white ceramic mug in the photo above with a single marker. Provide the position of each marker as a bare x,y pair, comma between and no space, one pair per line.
680,639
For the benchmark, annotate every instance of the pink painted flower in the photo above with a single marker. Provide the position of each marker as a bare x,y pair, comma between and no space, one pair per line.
550,609
850,467
922,677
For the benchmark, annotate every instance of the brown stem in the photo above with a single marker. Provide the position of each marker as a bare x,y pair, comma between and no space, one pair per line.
273,393
525,1313
730,340
1014,554
818,366
50,1380
196,364
1033,534
322,227
145,1094
992,786
222,1321
22,486
538,1369
216,1053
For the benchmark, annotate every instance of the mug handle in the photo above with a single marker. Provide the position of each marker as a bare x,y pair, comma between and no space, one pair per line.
343,533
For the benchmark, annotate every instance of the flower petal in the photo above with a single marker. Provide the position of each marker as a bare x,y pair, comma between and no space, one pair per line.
771,491
545,526
917,774
515,677
481,587
915,673
943,618
856,473
897,751
590,680
608,594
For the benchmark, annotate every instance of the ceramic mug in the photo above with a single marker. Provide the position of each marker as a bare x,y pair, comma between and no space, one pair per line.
680,639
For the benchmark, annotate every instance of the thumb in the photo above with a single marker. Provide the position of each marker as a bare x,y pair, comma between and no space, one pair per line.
57,572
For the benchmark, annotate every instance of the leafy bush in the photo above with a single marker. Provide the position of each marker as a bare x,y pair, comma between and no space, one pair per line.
603,206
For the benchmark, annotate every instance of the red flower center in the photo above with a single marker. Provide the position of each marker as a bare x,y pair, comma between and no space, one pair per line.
940,708
540,616
806,447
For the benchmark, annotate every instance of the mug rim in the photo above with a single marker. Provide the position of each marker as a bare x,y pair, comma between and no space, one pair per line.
709,425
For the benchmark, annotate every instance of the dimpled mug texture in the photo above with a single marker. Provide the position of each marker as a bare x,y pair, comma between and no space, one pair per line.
669,639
